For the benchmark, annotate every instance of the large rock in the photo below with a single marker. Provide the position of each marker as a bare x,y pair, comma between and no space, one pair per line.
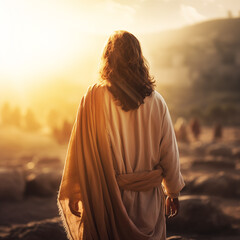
211,162
48,230
12,184
199,148
219,150
221,184
199,215
28,210
44,183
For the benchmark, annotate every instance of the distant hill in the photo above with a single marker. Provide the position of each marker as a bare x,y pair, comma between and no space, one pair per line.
198,67
218,28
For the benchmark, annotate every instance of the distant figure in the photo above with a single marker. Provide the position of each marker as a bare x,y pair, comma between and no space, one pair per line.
217,131
180,128
122,156
195,128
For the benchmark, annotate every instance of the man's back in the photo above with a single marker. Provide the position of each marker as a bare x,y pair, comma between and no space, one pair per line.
135,137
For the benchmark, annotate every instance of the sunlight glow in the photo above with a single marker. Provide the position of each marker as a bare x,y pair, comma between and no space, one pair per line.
45,39
37,40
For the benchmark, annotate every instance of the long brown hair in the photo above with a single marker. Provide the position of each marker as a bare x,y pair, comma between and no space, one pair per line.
125,70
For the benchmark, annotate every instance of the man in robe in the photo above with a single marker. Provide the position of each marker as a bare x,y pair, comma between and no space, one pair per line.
122,157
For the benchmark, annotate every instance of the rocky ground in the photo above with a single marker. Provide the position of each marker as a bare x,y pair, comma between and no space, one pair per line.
209,204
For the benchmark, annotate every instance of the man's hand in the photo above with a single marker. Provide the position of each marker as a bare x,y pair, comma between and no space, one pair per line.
73,205
172,207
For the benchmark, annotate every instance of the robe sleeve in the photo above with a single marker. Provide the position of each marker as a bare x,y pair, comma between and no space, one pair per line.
169,157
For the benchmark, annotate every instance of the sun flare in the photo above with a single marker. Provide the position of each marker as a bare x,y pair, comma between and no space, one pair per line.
37,41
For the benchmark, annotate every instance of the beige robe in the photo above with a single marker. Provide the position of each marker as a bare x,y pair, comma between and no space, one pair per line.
140,140
136,141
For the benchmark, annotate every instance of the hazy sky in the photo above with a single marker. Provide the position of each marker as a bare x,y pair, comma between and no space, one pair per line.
152,15
39,37
107,15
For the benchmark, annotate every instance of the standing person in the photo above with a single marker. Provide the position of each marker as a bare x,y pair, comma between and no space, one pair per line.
122,156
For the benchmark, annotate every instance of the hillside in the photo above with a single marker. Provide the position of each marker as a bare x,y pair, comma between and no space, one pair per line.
221,28
198,67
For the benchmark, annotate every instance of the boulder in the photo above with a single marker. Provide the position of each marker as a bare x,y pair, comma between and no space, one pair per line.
27,210
44,183
47,229
199,215
211,162
199,148
12,184
221,184
219,150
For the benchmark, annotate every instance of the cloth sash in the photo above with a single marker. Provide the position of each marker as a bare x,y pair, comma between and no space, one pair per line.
140,181
89,197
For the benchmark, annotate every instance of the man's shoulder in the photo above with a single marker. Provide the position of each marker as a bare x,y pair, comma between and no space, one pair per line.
159,98
96,92
96,87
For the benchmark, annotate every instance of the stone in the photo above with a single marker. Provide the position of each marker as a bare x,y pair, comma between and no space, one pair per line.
44,183
47,229
221,184
219,150
12,184
214,163
199,148
198,215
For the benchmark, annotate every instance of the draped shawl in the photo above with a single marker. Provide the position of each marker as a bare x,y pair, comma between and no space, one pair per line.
89,197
